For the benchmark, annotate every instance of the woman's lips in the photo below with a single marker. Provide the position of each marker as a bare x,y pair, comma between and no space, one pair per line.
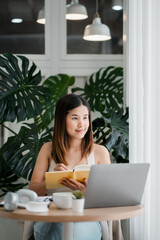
80,130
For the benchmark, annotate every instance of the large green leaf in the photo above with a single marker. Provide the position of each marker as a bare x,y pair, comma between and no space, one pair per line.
104,89
58,86
104,92
20,151
112,132
19,89
8,180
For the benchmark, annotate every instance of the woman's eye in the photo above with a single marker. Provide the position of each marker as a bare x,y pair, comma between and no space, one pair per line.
86,117
74,118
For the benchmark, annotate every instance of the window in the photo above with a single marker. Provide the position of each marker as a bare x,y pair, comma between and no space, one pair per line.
26,37
113,19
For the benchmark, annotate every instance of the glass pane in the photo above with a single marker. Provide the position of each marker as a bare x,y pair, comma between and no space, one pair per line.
113,19
26,37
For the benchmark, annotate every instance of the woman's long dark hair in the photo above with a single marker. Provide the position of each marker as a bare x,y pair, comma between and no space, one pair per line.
60,141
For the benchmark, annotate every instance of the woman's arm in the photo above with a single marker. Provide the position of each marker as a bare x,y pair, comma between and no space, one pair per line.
37,182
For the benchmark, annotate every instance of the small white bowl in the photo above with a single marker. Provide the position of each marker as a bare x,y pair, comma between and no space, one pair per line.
37,206
62,199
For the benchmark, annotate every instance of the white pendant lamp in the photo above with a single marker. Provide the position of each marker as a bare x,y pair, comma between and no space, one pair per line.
41,16
76,11
97,31
117,5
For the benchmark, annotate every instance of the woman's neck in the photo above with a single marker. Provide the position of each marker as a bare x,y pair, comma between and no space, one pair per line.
75,145
74,155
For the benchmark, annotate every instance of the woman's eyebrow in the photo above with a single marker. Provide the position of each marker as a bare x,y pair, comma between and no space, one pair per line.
74,114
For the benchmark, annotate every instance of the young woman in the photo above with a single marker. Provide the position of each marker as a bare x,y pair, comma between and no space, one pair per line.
72,145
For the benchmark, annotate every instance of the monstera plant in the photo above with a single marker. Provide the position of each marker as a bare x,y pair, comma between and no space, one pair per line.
104,92
28,102
24,100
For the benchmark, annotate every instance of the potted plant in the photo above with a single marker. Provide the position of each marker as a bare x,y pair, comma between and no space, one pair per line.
78,201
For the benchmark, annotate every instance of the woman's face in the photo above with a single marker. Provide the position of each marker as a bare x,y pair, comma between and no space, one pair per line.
77,122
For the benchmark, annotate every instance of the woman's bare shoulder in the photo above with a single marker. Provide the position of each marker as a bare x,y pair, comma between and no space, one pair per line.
99,148
101,154
46,148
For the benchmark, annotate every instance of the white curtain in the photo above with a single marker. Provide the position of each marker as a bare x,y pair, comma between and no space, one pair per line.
143,73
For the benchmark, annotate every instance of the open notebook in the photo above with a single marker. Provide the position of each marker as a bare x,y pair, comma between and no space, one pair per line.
52,179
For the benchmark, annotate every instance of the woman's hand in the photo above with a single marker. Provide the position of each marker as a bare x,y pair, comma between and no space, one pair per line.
70,183
60,167
74,185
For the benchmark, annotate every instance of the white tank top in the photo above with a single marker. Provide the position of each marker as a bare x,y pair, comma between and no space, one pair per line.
90,161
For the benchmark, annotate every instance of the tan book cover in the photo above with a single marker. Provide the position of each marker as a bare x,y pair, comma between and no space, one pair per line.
52,179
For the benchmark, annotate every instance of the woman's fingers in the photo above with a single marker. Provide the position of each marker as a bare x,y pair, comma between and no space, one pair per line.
73,184
85,181
68,183
60,167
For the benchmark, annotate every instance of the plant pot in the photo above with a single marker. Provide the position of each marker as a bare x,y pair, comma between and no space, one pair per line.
78,205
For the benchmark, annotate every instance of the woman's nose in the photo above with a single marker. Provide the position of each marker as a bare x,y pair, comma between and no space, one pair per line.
79,123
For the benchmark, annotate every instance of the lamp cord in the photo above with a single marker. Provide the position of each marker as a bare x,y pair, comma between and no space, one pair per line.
97,14
96,6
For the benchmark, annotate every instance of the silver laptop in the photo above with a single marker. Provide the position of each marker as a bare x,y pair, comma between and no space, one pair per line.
116,185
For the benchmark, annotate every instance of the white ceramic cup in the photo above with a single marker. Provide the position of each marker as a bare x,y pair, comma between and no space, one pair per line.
78,205
62,199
